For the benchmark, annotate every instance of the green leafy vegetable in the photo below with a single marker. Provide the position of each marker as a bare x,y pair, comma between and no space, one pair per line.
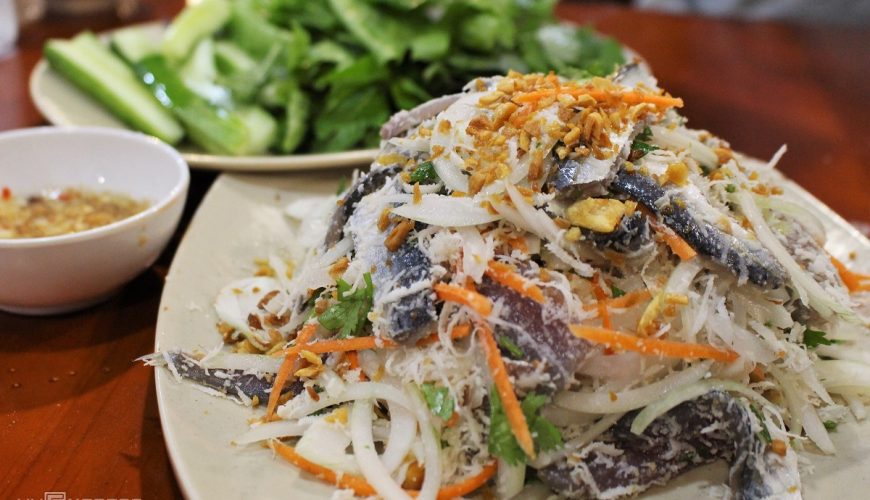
349,315
331,72
502,442
510,346
731,188
641,146
830,425
615,291
439,400
424,173
815,338
763,433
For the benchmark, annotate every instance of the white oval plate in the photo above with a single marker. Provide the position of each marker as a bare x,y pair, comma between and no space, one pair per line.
241,219
61,103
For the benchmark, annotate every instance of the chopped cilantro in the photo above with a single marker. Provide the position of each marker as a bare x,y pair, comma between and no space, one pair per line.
764,433
342,185
350,313
830,425
424,173
511,347
438,399
731,188
502,442
815,338
641,146
615,291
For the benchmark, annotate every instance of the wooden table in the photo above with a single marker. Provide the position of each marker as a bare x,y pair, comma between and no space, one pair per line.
77,414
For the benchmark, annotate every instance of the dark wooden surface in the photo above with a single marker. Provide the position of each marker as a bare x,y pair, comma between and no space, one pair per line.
78,415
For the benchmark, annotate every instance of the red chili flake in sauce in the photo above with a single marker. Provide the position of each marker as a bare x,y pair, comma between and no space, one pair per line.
7,193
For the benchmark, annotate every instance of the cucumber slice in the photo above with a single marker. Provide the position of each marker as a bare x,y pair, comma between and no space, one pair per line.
215,130
193,24
135,43
231,59
262,128
98,72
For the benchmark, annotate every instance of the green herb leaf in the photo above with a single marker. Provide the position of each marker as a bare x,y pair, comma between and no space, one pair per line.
830,425
439,400
763,433
510,346
815,338
424,173
501,439
502,442
615,291
640,146
731,188
350,313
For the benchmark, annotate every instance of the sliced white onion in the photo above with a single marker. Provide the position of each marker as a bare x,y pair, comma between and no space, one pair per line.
840,375
676,139
844,352
538,220
278,429
816,430
252,363
312,214
509,479
403,430
367,457
448,163
431,446
325,444
476,253
580,267
603,402
446,211
686,393
303,405
810,291
856,405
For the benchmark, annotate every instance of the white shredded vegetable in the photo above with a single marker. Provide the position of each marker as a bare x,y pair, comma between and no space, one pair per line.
374,470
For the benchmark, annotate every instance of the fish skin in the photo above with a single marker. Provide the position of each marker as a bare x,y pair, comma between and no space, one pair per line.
541,336
404,121
631,235
739,256
364,185
411,316
673,444
248,384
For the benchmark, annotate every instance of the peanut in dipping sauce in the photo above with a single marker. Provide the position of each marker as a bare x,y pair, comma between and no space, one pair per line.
64,211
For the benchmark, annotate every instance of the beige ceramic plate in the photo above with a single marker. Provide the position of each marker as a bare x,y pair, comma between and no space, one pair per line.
61,103
242,219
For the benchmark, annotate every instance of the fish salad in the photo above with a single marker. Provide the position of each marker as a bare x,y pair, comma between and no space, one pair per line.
547,286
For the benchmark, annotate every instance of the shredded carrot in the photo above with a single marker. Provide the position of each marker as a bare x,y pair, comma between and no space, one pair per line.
853,281
650,346
358,484
468,484
362,488
601,95
629,299
353,361
286,369
601,298
509,401
460,295
677,245
351,344
502,273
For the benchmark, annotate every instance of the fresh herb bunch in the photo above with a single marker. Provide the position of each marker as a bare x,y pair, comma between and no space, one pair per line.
349,314
502,442
359,61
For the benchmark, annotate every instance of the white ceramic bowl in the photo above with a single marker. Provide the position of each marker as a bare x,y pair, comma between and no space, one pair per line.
68,272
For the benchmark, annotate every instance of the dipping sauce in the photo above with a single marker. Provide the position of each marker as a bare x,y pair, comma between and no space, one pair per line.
63,211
